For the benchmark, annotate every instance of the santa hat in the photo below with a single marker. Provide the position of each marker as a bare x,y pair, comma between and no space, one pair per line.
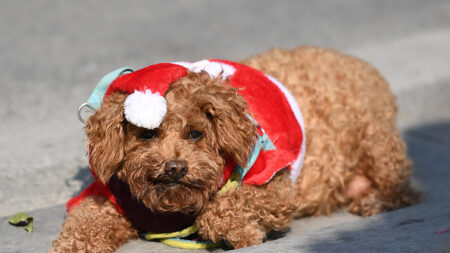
146,106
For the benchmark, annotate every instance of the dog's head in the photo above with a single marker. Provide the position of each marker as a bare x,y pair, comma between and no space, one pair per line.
178,166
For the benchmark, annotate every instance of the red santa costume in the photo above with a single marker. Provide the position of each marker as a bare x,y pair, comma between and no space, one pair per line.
273,109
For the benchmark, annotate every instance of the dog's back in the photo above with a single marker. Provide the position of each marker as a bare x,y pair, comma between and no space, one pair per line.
354,153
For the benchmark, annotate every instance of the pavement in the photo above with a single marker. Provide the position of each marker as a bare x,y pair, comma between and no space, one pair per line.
54,52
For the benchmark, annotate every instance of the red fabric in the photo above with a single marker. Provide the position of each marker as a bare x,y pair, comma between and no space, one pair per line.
156,77
228,169
271,110
95,189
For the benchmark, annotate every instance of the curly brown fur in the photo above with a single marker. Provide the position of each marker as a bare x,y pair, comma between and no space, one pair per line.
243,216
93,226
354,153
350,119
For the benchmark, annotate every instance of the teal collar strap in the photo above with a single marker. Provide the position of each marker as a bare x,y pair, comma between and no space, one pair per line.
96,98
263,143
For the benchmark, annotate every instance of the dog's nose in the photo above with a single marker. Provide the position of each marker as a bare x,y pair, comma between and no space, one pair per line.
176,169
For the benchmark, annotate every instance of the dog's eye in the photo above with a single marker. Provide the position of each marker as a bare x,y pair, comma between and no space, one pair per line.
195,135
148,135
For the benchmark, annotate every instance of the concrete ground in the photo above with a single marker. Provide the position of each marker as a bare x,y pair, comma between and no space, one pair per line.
52,53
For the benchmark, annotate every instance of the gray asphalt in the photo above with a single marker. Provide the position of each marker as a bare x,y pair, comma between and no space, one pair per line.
52,53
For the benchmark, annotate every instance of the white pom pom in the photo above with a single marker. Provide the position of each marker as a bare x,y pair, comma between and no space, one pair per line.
145,109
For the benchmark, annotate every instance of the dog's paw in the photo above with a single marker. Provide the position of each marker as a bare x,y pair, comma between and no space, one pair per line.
245,235
375,202
238,227
250,234
367,205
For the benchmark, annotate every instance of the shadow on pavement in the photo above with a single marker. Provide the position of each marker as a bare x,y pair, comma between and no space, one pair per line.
437,132
84,176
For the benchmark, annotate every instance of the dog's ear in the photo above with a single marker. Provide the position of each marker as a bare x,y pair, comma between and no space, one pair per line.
106,134
227,110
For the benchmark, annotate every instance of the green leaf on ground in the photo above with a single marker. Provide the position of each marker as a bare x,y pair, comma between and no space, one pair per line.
22,220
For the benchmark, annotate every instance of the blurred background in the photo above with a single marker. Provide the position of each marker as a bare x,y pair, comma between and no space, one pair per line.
52,53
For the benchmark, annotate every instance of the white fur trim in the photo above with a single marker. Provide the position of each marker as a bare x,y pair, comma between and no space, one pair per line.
185,64
212,68
145,109
297,164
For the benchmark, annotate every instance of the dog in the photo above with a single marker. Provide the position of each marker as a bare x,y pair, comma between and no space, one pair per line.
172,163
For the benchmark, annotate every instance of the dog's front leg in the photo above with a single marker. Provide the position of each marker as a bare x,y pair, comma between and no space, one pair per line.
94,225
243,216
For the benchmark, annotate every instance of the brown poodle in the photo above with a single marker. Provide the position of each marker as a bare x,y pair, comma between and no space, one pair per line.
354,157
